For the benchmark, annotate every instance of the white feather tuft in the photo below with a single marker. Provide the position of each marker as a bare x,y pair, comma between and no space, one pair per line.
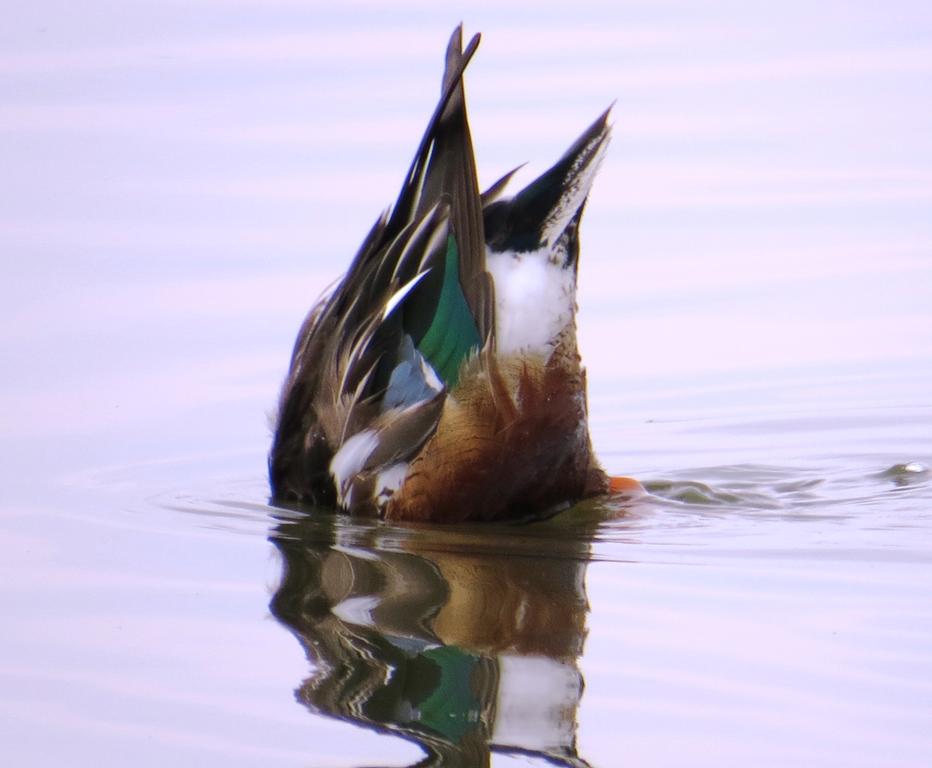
350,459
389,480
535,299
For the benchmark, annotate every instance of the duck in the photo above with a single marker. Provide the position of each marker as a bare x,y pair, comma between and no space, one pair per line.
440,381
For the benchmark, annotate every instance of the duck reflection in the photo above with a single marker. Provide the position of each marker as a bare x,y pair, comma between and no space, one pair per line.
464,643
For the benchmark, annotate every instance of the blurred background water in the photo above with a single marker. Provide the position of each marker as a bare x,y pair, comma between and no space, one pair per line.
183,180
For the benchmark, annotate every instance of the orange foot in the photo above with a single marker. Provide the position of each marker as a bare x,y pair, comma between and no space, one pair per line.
626,485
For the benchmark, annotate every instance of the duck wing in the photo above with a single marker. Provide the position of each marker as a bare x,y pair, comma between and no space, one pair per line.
373,361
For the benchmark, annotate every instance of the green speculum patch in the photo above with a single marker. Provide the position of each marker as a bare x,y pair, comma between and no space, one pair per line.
452,333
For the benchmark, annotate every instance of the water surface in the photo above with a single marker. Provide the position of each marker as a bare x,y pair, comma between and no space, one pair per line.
183,180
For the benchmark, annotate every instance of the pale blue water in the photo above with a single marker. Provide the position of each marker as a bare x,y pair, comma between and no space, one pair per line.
183,180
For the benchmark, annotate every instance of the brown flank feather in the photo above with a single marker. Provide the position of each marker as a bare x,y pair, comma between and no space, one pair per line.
498,456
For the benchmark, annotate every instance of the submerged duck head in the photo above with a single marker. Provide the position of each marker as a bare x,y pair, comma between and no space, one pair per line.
440,380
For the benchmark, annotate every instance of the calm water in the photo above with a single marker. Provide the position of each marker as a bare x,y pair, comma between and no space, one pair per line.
182,180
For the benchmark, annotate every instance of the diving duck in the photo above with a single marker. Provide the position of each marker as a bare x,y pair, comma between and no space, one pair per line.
440,380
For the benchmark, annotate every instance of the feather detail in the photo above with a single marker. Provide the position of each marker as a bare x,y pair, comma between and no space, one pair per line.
486,463
539,214
452,334
387,441
494,192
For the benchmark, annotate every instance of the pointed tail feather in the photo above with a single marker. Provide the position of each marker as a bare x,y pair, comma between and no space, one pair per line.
540,213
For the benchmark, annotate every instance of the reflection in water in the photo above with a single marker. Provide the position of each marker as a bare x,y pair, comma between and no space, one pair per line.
438,639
